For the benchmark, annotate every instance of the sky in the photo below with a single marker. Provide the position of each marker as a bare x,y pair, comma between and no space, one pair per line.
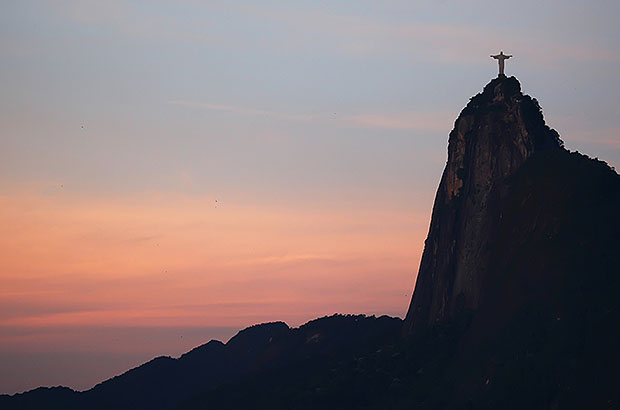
174,171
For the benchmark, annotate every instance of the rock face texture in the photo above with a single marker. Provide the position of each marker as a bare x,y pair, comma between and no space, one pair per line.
520,275
494,135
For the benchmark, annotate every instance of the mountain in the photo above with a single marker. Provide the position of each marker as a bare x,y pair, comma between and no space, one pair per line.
523,256
164,382
516,304
496,133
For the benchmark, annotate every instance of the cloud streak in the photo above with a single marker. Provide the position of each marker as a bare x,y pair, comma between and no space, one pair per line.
226,108
413,120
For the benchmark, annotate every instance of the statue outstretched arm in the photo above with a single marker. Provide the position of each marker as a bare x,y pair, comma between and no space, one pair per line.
508,57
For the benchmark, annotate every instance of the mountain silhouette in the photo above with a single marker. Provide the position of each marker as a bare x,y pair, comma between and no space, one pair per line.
516,304
164,382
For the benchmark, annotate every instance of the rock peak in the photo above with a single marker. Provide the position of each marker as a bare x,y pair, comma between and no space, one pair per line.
495,134
502,87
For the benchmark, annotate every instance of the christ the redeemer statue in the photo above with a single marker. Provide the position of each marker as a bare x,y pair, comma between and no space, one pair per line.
500,59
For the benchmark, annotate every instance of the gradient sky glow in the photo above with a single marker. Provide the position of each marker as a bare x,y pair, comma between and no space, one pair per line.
173,171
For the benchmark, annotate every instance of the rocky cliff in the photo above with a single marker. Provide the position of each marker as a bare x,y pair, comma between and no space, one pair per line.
521,268
492,138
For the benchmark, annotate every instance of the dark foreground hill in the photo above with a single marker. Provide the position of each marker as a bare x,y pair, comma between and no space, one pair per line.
516,306
164,382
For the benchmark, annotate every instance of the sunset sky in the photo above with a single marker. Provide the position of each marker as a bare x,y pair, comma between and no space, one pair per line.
174,171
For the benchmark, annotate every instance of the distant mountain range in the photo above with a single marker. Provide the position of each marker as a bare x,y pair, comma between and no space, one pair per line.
516,305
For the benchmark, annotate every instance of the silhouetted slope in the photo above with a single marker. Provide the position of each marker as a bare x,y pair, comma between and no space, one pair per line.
164,382
309,364
40,398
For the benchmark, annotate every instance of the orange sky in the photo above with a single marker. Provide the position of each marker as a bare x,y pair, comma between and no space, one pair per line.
177,260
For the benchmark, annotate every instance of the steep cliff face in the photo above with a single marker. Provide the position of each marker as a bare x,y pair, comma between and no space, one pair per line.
521,268
494,135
